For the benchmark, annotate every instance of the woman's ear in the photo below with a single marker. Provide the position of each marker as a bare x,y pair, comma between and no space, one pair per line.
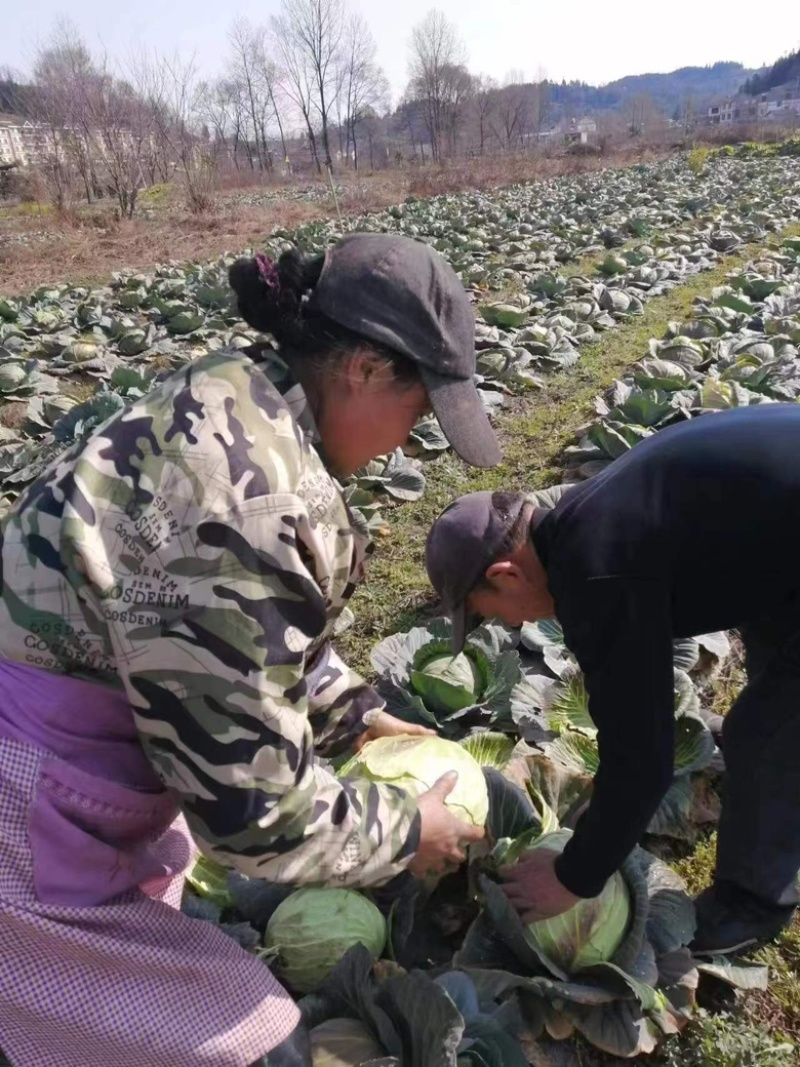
359,367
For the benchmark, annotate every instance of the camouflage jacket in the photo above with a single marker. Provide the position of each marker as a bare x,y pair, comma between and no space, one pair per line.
196,551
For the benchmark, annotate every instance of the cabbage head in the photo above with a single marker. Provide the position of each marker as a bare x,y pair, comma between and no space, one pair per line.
446,683
591,931
416,763
312,929
210,881
343,1043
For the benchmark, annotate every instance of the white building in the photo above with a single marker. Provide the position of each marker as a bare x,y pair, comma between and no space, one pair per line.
12,143
777,105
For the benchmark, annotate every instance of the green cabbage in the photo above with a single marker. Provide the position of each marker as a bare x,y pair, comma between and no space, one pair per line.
209,880
312,929
416,763
445,683
343,1043
591,931
11,375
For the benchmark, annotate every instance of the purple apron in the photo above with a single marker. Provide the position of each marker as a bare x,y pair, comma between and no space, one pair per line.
98,968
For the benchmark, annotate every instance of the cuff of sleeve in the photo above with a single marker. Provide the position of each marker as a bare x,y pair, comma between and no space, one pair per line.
577,875
392,835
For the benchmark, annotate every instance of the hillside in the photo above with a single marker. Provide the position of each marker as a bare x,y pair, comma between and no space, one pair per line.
719,79
13,97
669,92
784,72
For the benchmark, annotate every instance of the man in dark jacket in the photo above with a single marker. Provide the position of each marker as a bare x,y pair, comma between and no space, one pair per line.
696,529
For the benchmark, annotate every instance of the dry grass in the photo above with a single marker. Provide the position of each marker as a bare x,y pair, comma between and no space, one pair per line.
38,247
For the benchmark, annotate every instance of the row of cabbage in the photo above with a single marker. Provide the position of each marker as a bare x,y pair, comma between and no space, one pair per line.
741,346
125,336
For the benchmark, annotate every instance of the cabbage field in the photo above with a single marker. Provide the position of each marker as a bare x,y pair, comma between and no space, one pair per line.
557,269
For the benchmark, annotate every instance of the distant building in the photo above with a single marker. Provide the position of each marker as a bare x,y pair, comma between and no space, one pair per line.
778,105
23,142
12,145
579,131
572,130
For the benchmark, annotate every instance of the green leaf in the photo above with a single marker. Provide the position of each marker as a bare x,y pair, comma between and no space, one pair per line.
351,992
504,315
552,786
737,975
406,483
620,1029
427,436
489,749
673,816
430,1022
687,702
543,634
568,708
575,752
210,881
694,745
510,810
671,916
686,653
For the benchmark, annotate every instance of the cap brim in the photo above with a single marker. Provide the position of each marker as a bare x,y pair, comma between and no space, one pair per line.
464,622
463,420
459,621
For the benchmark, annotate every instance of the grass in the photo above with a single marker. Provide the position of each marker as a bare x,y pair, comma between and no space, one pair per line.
776,1010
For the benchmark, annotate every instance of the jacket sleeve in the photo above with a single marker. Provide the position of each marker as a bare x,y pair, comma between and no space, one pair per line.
623,642
217,680
338,698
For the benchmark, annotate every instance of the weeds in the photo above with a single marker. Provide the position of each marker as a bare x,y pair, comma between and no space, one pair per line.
722,1041
697,159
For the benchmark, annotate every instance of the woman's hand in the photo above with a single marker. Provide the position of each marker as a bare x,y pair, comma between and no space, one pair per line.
533,887
382,724
443,836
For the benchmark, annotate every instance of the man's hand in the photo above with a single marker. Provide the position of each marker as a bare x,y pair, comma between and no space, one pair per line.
533,887
443,836
382,724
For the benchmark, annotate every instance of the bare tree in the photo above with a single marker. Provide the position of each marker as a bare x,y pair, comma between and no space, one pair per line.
311,32
637,111
296,77
175,97
540,104
244,72
222,110
363,86
268,74
63,70
484,103
512,113
436,66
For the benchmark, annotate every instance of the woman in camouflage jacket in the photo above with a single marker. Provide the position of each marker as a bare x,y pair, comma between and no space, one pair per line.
169,588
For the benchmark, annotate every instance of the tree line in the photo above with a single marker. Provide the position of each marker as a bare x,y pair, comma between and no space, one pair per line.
303,89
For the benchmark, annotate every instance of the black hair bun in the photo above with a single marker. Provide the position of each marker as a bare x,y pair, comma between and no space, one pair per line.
274,309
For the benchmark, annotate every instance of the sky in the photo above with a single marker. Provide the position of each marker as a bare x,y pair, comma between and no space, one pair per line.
590,40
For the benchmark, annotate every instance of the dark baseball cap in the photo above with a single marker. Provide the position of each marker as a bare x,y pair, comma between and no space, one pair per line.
462,544
400,293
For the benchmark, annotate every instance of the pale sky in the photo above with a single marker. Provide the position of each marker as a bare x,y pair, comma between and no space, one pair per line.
590,40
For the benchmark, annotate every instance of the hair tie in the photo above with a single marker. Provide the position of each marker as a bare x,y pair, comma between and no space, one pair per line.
268,271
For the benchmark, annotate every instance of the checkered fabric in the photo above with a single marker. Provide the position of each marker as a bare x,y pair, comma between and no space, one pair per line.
131,983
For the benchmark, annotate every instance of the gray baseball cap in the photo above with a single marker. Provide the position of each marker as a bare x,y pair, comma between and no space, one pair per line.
462,544
401,293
